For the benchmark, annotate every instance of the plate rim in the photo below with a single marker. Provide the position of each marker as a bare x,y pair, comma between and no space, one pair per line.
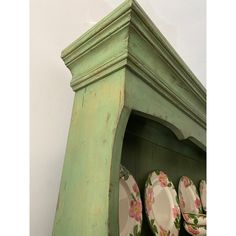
201,184
188,183
202,228
134,189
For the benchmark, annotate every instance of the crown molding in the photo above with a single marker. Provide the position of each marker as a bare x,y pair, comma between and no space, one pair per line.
127,38
109,25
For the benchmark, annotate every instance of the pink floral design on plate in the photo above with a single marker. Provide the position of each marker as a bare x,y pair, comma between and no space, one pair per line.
149,199
175,212
197,203
192,230
186,181
163,179
135,210
186,216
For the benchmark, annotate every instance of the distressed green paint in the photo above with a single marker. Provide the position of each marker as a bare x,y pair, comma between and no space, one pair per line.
152,104
84,193
122,65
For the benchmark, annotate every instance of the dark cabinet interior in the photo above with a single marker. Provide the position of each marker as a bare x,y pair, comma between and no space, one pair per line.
149,145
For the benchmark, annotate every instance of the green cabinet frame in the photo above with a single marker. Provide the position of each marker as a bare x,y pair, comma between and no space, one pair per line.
121,65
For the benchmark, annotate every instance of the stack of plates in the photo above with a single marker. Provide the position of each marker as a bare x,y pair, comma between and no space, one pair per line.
192,206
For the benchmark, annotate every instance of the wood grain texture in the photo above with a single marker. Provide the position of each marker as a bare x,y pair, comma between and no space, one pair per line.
122,66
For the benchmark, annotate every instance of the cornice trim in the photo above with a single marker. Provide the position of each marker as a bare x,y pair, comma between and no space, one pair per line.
155,81
130,15
102,71
121,13
121,17
103,36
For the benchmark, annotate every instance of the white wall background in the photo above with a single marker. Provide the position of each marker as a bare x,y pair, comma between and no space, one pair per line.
54,25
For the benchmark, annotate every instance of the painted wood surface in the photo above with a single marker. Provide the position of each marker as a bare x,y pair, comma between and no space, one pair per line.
122,65
85,191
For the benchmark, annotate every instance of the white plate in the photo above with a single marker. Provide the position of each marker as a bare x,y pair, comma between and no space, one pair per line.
189,199
130,205
195,230
202,190
161,205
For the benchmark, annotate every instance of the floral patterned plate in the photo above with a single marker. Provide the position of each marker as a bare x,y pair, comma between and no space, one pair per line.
195,219
202,189
161,205
189,199
130,205
195,230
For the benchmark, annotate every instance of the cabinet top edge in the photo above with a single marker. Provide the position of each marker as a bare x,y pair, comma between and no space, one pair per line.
121,12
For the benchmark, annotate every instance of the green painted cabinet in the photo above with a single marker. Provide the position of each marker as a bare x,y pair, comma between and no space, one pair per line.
136,103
